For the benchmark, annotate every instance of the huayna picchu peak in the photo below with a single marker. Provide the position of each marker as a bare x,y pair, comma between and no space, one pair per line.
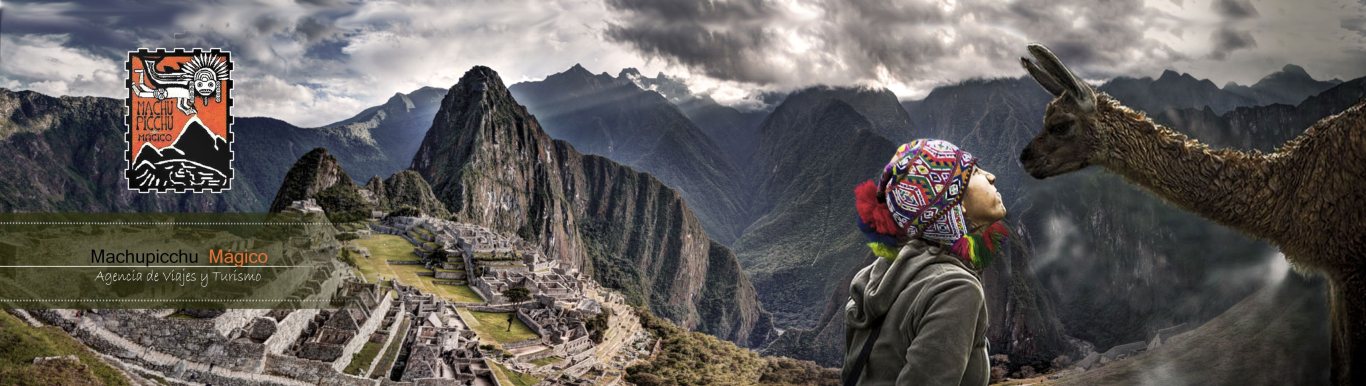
490,162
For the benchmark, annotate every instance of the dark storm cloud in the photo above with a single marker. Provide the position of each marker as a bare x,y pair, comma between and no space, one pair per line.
107,27
309,62
324,3
1233,34
699,34
114,27
314,29
1235,9
1355,23
309,53
758,42
721,55
291,52
697,11
1227,40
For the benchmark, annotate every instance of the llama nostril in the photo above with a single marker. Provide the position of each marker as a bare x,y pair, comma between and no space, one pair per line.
1027,155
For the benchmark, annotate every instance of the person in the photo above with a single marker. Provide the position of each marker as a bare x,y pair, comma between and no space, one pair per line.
917,315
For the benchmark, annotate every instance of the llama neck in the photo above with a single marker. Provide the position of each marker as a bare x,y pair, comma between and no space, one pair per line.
1230,187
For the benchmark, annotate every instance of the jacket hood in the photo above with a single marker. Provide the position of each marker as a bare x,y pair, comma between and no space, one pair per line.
877,286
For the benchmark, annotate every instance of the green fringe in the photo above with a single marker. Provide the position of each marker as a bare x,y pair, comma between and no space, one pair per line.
885,251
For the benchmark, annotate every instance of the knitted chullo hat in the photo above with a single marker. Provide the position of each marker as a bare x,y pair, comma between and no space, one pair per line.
919,195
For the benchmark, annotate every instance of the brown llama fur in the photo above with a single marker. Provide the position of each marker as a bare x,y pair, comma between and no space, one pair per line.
1306,197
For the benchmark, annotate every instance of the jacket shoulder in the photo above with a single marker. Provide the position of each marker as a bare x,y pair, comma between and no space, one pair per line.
943,282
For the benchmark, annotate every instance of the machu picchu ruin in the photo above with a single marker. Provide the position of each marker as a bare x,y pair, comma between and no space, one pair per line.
404,310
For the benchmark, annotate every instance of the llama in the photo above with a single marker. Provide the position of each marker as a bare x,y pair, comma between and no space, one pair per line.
1304,197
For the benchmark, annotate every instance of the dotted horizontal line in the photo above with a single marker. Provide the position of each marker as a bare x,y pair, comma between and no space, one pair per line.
137,266
164,300
154,223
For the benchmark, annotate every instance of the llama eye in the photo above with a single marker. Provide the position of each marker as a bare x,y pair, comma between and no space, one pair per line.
1059,128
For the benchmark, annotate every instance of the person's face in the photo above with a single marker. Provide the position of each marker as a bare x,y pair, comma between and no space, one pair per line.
982,203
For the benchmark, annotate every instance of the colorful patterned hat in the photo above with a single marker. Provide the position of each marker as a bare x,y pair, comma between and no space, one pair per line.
923,185
919,195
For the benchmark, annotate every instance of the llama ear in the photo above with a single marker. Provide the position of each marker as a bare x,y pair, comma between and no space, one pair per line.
1048,82
1080,93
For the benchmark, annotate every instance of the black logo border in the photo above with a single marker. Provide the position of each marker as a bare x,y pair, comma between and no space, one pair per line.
128,122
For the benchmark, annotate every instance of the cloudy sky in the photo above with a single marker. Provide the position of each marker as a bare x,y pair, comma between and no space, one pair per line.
312,62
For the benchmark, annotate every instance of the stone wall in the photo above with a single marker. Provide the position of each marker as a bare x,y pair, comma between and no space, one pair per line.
310,371
491,308
287,331
191,339
582,344
327,352
91,334
270,369
522,343
236,318
363,335
385,229
580,367
482,287
391,338
536,355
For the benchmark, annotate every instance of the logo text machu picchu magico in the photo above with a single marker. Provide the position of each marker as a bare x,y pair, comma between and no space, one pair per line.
179,121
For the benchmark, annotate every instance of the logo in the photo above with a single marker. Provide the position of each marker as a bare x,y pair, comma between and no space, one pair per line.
179,121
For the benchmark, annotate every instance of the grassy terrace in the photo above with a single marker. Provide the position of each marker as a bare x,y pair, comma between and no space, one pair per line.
352,226
459,293
420,234
389,247
494,326
546,360
20,343
360,361
490,326
390,355
509,377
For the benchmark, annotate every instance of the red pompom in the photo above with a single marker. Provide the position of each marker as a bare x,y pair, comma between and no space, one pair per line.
872,212
994,234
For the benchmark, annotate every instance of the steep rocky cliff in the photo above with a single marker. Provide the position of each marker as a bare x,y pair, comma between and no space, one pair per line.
491,163
816,147
313,173
318,176
615,118
408,189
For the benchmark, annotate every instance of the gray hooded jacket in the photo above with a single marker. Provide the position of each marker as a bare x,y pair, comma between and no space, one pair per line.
935,328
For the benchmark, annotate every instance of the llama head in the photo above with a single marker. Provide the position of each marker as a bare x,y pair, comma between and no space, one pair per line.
1069,139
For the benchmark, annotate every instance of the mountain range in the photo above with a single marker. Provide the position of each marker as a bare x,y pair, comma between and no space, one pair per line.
1092,258
614,118
490,162
64,147
733,130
